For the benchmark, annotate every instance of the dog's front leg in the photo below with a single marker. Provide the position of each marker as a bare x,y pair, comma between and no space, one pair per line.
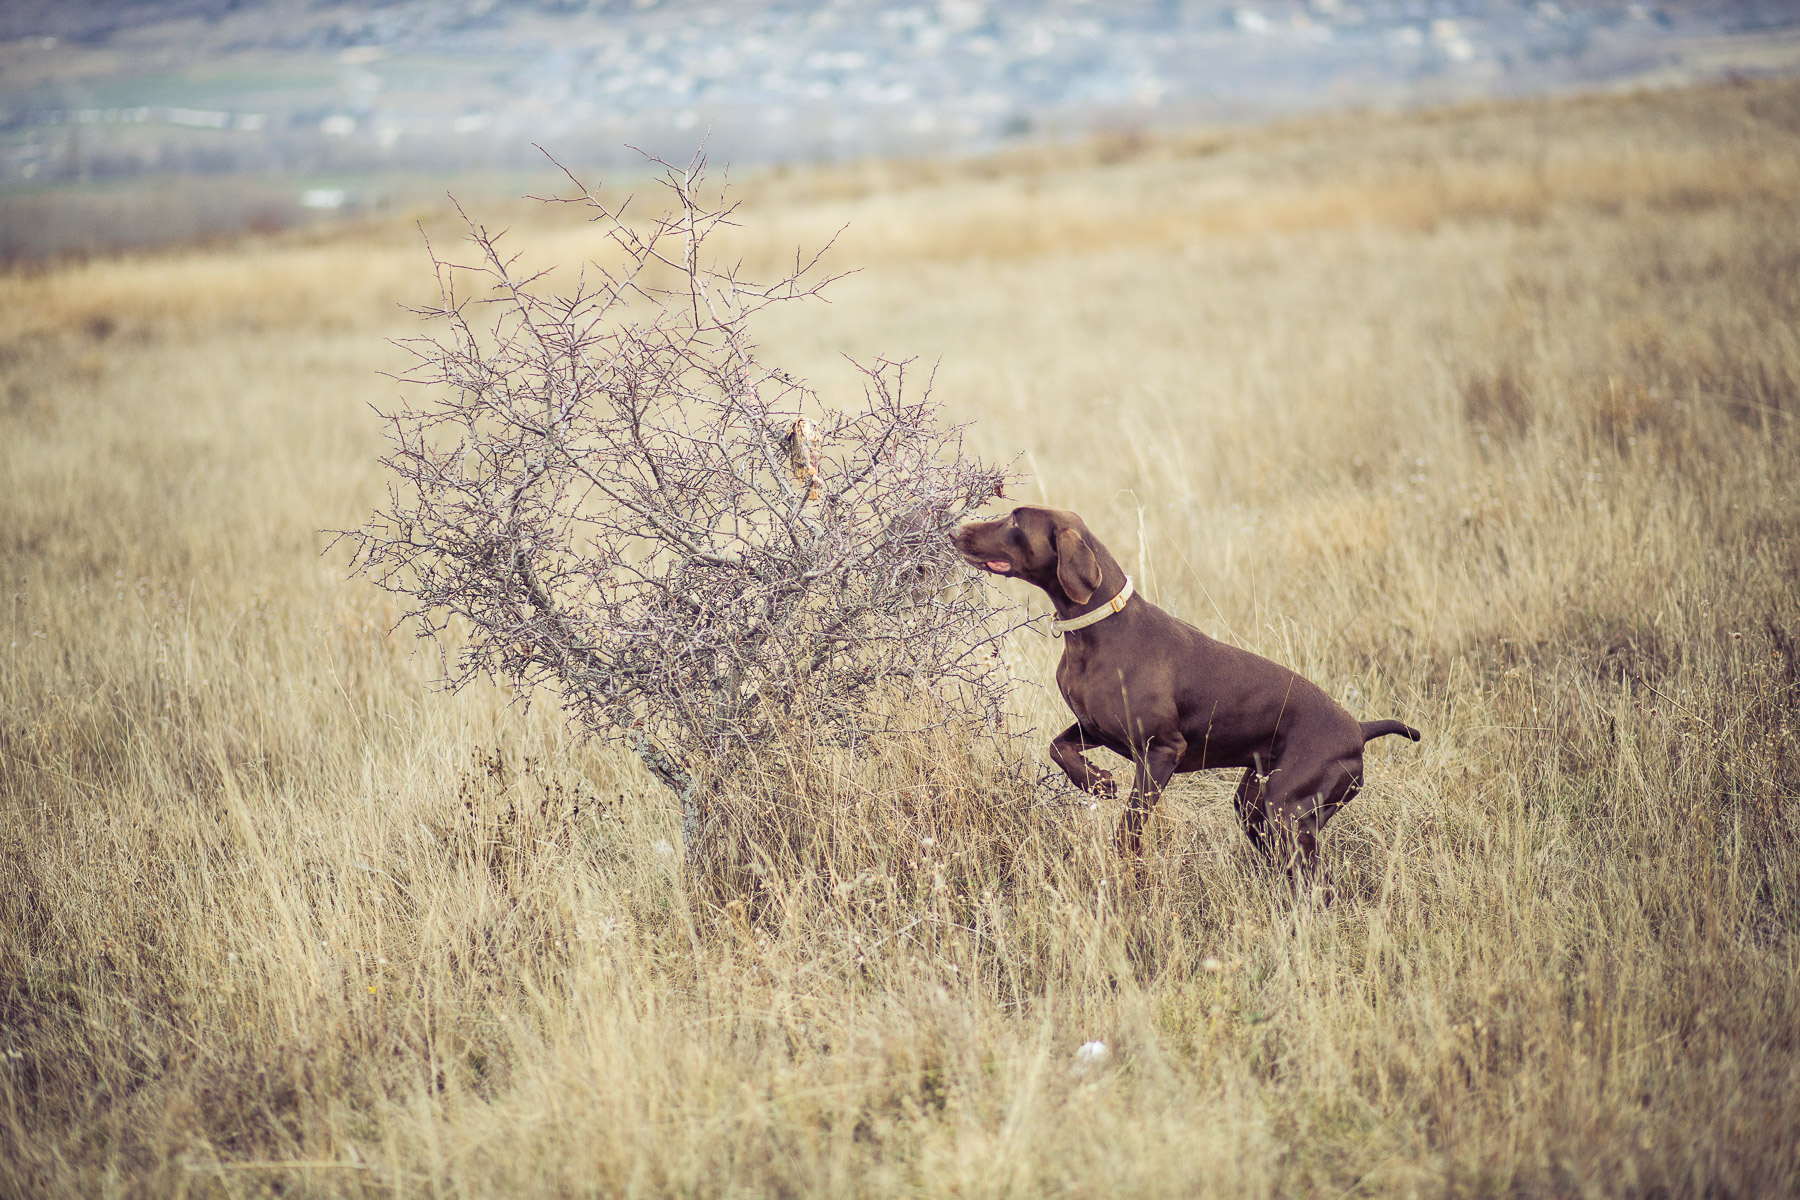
1155,767
1067,752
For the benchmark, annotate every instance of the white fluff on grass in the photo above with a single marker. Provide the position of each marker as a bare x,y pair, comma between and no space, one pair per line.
1090,1055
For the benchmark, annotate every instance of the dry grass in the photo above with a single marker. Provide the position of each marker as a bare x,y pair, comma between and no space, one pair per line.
1485,420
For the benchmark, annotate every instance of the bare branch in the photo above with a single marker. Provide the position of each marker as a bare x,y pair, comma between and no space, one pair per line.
605,493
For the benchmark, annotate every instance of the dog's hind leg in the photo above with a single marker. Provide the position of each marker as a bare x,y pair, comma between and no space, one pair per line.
1298,814
1249,804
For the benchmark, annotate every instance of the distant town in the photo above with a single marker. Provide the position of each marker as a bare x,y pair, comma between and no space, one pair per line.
94,90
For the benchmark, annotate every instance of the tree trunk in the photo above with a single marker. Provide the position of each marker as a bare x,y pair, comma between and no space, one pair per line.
693,811
686,786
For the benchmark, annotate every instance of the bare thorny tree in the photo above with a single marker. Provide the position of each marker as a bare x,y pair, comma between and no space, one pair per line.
605,495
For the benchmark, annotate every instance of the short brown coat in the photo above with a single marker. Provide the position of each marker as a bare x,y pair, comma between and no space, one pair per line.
1157,691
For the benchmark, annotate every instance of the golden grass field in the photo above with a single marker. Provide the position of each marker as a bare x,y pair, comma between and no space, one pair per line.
1485,419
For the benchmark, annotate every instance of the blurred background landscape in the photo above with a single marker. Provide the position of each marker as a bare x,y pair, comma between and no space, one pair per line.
290,109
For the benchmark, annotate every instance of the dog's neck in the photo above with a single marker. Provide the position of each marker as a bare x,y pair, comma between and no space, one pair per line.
1112,579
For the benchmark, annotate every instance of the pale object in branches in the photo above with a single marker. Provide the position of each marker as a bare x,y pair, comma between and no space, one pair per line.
604,494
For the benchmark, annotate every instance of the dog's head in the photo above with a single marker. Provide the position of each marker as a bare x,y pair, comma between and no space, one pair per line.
1050,547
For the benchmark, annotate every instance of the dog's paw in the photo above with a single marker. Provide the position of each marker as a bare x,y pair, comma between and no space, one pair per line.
1100,783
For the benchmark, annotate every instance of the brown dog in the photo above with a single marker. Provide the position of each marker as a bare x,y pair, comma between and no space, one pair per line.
1159,692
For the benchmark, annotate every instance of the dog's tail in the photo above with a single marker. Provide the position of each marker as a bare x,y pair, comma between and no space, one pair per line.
1374,729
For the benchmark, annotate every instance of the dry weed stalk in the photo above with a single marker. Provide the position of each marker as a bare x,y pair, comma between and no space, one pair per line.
607,495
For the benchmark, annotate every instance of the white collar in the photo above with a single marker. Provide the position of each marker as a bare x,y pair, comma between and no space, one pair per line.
1116,604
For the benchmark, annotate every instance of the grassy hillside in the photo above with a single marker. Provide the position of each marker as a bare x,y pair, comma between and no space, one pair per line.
1483,419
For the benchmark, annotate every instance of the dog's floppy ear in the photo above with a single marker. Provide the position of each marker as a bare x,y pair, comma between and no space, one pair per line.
1077,566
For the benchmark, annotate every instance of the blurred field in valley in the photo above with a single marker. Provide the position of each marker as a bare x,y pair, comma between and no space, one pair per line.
1484,419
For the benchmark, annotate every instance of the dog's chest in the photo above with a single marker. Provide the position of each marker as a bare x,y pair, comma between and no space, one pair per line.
1071,681
1077,707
